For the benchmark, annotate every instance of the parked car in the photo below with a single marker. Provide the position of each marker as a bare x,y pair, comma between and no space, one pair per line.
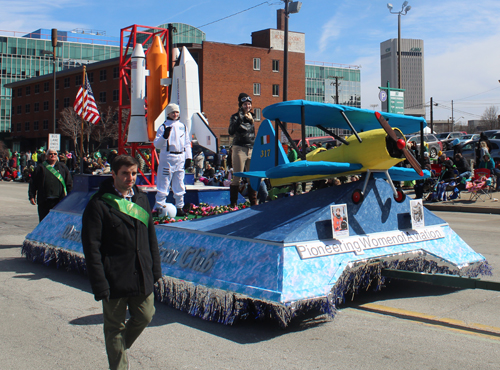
432,141
469,150
447,137
489,133
466,138
319,139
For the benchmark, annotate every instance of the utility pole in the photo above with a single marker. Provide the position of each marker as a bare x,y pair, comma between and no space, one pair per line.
452,119
54,45
432,116
336,83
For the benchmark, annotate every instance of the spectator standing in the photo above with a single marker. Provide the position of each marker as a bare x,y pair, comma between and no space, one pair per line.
241,126
122,258
49,184
199,163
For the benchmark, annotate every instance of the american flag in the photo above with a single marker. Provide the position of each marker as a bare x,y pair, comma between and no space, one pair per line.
85,105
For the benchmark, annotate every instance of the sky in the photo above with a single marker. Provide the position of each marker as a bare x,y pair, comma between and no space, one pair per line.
461,38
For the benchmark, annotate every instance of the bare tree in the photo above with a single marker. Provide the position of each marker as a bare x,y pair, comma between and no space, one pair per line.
4,152
489,119
107,128
70,125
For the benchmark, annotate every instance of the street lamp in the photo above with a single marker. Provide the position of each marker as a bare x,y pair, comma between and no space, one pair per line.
291,7
53,52
405,8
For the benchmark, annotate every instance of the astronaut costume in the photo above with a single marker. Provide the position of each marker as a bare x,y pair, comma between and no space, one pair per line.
175,153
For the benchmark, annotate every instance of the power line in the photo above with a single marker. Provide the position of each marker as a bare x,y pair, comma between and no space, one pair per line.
232,15
484,92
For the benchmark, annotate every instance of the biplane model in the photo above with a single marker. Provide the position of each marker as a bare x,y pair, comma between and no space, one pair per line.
370,150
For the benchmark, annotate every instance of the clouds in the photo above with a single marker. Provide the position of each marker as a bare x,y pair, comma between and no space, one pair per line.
27,16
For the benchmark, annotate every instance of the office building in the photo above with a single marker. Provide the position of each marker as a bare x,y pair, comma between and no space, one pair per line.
30,55
412,68
332,83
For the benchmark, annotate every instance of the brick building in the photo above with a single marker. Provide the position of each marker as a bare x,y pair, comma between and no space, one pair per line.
33,101
225,71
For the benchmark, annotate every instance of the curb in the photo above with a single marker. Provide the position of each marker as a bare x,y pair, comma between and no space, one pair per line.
461,208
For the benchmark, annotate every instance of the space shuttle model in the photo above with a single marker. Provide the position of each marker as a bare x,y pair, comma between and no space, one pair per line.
151,85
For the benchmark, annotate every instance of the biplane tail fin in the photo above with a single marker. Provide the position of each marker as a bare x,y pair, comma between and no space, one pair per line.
264,154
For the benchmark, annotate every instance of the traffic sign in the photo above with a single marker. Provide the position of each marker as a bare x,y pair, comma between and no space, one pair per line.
55,142
382,95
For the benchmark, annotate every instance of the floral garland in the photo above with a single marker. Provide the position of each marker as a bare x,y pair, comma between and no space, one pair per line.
193,212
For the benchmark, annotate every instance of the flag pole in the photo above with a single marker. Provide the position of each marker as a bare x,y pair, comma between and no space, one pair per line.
81,131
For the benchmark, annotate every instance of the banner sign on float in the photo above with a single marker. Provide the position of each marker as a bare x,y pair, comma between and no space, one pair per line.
358,244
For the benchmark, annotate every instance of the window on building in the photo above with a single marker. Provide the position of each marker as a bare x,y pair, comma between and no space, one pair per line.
78,80
57,103
66,82
57,123
35,126
102,75
257,113
46,105
36,107
28,90
256,89
57,84
276,90
116,72
116,95
102,97
19,126
26,126
90,76
19,109
276,65
20,91
37,89
46,86
27,108
45,124
66,102
256,64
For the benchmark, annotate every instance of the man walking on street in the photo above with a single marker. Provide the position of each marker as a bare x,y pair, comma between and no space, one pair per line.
122,257
50,183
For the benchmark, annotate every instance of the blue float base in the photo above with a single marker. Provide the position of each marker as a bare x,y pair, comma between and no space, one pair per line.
278,259
86,185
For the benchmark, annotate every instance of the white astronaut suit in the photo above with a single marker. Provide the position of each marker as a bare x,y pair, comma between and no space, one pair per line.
174,143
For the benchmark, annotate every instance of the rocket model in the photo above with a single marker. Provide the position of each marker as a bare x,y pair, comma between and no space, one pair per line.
186,87
137,129
157,93
186,94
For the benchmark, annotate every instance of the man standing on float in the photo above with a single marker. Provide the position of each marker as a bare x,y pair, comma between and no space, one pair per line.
174,143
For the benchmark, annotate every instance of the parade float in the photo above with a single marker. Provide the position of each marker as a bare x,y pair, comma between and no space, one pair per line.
294,255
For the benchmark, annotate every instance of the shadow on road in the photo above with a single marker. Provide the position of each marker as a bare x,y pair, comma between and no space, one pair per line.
248,331
8,246
399,289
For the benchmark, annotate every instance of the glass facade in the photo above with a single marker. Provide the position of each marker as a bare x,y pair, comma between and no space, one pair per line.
186,34
321,86
23,57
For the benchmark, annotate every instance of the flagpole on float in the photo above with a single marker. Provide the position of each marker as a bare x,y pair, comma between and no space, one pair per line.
84,108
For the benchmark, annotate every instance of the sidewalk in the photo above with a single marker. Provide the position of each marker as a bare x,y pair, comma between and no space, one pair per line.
463,204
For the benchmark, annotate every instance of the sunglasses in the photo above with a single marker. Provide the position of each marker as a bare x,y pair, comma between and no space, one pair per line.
246,98
52,153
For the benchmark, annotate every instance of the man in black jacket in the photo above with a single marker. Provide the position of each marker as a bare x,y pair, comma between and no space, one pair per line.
122,257
50,183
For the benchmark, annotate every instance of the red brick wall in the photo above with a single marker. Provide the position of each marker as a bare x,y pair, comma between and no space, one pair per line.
227,70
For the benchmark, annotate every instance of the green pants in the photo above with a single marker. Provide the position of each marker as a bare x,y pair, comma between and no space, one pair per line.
119,334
